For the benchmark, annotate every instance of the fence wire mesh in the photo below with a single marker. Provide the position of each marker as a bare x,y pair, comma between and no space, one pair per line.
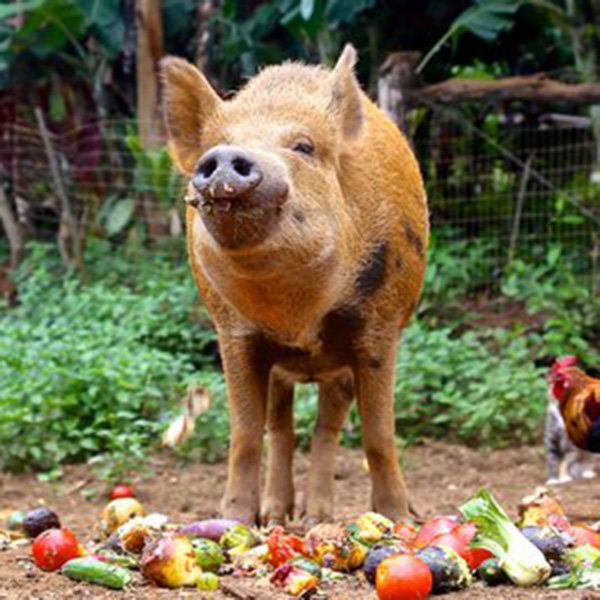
512,187
504,184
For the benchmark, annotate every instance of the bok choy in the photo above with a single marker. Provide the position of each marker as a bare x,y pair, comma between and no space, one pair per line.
524,564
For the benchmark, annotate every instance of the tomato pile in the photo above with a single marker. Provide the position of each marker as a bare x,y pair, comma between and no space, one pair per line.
401,561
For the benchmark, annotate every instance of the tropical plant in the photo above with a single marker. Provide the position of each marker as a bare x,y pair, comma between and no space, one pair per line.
486,19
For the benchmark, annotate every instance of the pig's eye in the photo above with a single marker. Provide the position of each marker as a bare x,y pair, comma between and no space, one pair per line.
304,147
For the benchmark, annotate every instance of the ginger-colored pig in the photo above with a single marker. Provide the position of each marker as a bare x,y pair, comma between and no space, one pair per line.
307,227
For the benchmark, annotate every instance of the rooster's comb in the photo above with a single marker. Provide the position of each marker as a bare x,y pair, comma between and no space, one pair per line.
564,363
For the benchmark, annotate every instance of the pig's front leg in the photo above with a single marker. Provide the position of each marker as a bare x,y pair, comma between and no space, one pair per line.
334,401
374,380
246,375
278,501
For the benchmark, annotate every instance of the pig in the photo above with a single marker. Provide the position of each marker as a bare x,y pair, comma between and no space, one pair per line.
307,228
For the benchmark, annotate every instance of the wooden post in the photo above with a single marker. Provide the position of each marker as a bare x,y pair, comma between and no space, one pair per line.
69,237
12,229
535,88
149,52
516,225
206,8
396,76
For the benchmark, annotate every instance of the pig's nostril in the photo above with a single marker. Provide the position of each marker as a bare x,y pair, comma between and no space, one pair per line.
207,168
242,166
226,172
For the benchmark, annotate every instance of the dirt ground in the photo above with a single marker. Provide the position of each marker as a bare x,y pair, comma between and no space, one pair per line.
440,477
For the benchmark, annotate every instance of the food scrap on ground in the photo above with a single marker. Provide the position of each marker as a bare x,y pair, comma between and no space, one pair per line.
447,553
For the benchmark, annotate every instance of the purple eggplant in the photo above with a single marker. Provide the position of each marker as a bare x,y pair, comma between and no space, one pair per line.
211,529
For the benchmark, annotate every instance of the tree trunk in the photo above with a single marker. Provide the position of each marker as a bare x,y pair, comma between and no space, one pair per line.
13,230
396,76
149,53
206,8
69,238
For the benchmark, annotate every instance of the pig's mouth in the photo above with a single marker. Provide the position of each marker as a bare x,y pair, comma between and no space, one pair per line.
241,222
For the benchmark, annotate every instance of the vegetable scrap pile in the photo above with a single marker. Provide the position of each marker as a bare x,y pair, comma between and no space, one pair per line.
447,553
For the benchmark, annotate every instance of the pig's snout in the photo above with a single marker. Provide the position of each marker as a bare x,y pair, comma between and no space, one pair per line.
227,172
241,193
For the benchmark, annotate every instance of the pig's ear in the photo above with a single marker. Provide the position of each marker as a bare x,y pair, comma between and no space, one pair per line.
188,101
346,95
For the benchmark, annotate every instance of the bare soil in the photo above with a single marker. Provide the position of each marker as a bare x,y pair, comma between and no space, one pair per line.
440,477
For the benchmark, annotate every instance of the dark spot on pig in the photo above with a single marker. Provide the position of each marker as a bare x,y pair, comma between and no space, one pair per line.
339,331
346,320
372,275
399,262
299,217
414,240
375,363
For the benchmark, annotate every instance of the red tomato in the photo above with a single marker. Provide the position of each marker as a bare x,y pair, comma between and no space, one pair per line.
53,548
582,534
476,556
433,528
122,491
405,532
403,577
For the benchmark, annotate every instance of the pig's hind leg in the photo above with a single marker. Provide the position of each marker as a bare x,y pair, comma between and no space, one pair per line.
278,501
335,398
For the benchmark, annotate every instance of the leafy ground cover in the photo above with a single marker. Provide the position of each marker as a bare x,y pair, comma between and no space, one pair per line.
93,371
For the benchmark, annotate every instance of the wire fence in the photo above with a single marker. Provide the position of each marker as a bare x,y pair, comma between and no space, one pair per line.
513,186
508,185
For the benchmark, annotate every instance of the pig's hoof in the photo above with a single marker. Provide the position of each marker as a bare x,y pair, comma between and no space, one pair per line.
310,520
395,511
274,513
245,517
270,522
239,512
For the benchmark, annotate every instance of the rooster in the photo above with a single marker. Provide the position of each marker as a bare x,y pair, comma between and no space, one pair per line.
578,397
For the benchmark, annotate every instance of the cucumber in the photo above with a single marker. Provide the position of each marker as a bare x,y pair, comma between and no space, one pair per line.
93,570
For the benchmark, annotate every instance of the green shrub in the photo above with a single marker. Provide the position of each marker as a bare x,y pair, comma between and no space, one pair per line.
480,388
82,371
551,287
94,370
456,269
172,317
